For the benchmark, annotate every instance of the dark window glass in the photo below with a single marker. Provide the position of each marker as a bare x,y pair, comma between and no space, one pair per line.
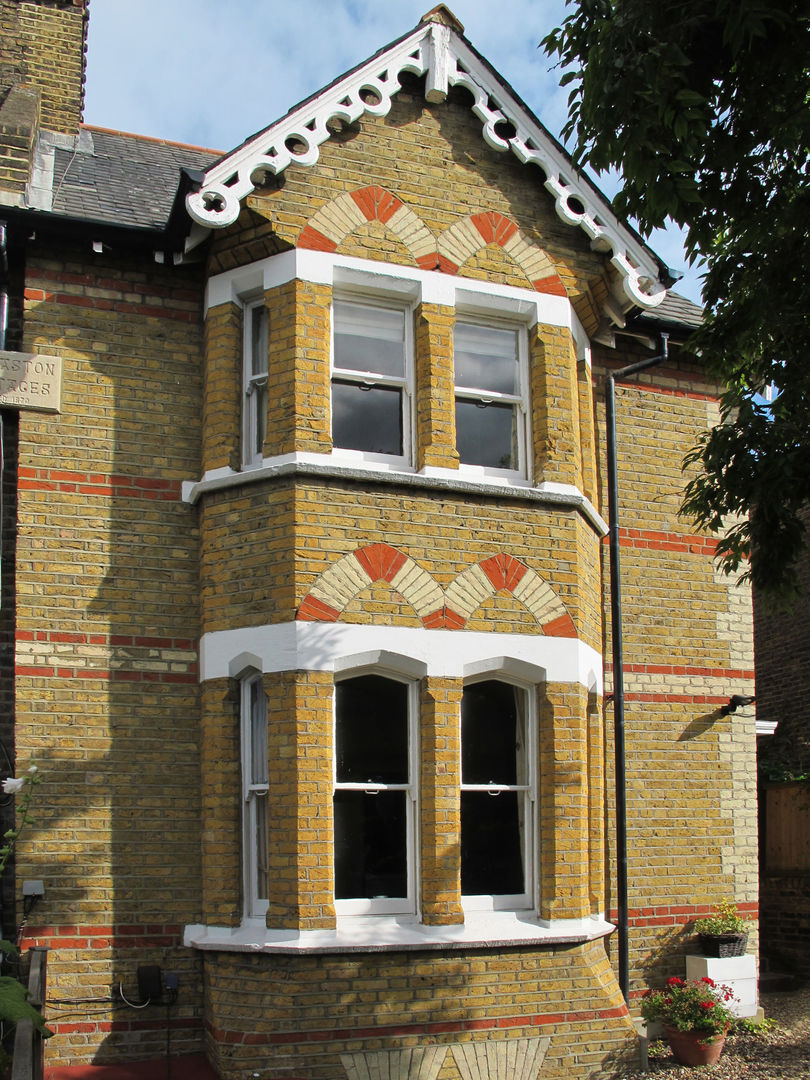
491,848
489,733
486,434
372,731
370,845
372,749
493,822
367,418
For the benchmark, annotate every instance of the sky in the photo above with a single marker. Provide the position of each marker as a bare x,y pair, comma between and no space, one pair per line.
213,72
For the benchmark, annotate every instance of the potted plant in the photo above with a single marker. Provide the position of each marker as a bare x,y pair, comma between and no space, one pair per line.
695,1016
724,932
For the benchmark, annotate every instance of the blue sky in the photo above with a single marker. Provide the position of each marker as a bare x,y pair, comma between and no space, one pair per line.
212,72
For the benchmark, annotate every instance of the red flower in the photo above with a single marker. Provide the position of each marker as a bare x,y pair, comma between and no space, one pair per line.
673,980
707,1004
706,979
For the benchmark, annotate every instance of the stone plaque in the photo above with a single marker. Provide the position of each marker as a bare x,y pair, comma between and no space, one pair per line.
30,381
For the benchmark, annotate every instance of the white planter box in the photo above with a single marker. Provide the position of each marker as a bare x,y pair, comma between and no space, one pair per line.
739,973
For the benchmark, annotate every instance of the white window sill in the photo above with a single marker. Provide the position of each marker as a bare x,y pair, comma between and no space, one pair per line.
391,933
463,480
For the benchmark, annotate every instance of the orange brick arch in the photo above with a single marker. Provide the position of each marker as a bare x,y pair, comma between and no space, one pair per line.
459,242
437,608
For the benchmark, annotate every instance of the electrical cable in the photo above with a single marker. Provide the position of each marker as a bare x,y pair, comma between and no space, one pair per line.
132,1004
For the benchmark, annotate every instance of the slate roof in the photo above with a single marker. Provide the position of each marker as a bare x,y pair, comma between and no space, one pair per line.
674,309
122,179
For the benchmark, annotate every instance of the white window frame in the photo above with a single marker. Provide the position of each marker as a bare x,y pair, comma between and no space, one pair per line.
520,400
387,906
254,385
255,796
525,901
405,383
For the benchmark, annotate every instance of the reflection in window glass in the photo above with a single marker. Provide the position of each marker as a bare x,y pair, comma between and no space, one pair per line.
486,358
489,411
495,789
255,365
486,434
367,418
369,383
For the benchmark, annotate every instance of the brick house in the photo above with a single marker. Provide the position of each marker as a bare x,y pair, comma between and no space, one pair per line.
310,601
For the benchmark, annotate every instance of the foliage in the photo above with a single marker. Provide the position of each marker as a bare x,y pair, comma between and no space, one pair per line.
703,107
747,1025
14,1005
700,1006
725,920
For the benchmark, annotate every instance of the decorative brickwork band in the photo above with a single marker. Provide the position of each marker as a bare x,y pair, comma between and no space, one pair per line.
327,229
438,609
340,217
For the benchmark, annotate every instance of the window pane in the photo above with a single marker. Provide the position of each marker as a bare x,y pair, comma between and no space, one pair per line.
371,730
487,435
258,340
369,338
260,849
486,358
258,734
492,736
491,843
370,845
367,418
259,407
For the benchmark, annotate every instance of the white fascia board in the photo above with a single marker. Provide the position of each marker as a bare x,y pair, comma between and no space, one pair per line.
312,646
392,279
448,61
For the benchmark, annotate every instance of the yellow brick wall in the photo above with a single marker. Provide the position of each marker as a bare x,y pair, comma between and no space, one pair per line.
298,1015
107,685
691,774
42,45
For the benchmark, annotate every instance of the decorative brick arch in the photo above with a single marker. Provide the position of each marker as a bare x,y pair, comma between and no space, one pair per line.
334,221
503,572
340,583
463,239
449,610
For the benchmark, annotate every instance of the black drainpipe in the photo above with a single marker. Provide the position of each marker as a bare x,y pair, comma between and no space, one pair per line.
618,662
3,283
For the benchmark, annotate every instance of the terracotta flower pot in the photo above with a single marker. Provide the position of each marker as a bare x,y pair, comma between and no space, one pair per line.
695,1047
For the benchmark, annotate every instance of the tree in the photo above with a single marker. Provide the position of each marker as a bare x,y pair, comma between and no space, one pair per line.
704,107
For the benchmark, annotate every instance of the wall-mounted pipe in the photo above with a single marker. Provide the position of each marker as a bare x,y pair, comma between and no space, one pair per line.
618,663
3,283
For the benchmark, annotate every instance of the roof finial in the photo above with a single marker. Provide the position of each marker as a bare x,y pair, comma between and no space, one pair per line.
444,16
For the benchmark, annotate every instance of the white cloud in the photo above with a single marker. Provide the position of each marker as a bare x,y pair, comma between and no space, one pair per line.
212,73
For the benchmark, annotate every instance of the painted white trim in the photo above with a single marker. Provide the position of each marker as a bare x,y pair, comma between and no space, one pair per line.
460,481
314,646
447,60
392,279
766,727
481,929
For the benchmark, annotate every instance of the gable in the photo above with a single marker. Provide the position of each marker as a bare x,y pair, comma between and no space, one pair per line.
442,56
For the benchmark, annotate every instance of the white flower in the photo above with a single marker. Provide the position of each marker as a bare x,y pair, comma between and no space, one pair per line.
33,769
13,785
